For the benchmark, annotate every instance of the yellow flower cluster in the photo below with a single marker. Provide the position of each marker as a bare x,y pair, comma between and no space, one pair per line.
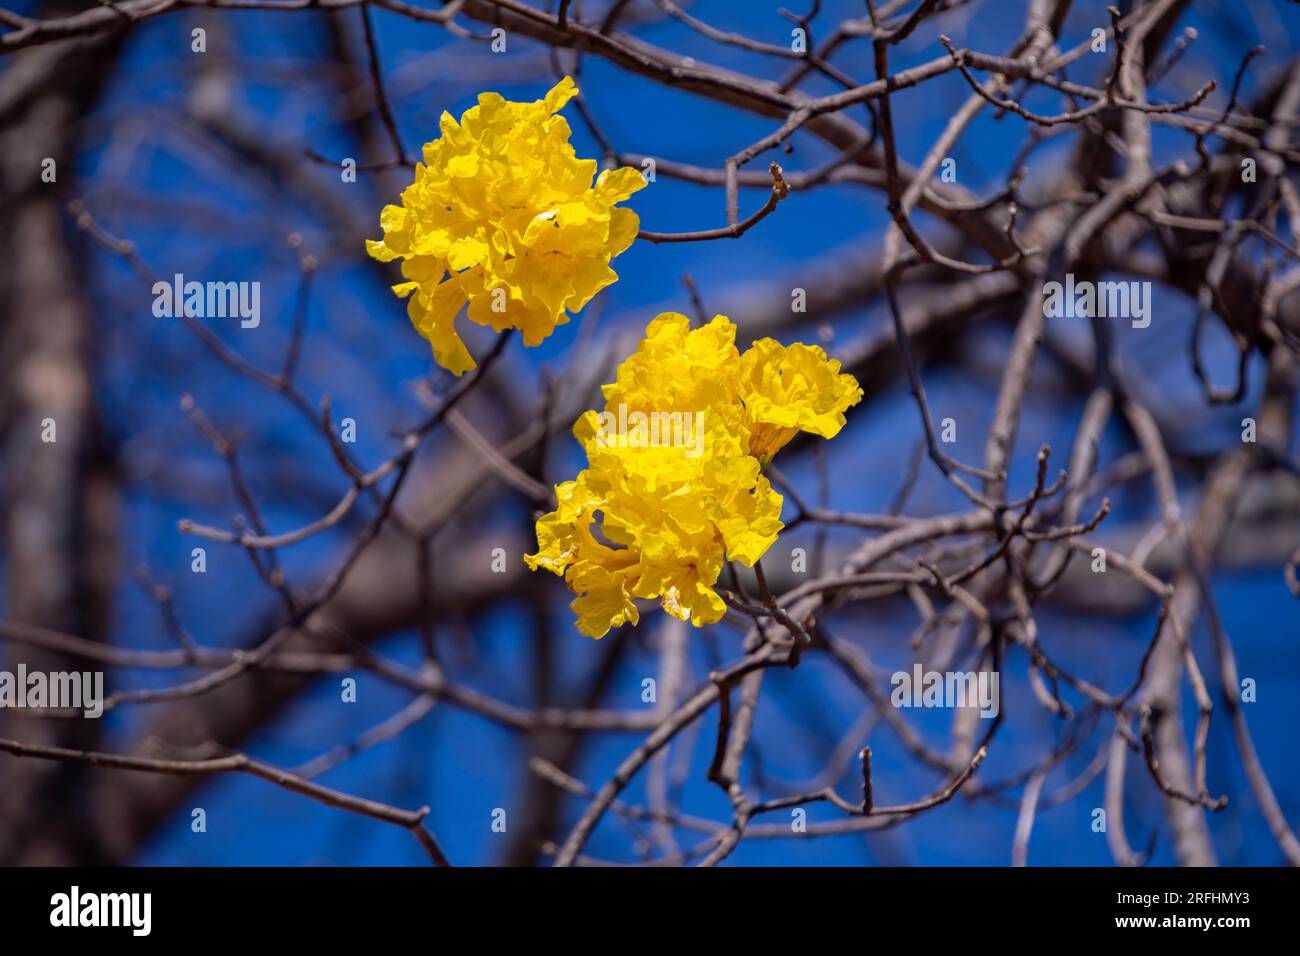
674,484
503,215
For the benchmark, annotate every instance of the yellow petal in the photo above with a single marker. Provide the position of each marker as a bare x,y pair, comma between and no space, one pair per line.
560,94
434,318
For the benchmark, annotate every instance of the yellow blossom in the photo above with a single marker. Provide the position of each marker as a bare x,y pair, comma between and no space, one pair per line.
504,216
674,486
787,390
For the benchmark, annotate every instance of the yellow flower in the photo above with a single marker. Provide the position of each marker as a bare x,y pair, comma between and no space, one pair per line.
654,524
684,370
674,486
503,215
787,390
